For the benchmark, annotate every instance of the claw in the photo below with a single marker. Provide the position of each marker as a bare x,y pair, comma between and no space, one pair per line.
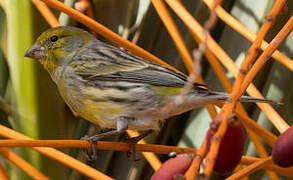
91,155
132,153
132,142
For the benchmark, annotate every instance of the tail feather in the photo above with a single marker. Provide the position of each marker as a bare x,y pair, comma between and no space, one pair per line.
257,100
224,96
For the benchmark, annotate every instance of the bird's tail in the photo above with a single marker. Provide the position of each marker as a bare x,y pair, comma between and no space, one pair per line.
224,96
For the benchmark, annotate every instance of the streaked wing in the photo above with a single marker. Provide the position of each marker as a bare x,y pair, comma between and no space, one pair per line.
113,64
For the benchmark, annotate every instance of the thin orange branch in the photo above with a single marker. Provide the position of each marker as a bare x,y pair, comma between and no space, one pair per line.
197,32
253,50
237,26
266,135
22,164
251,132
249,123
238,168
228,87
103,145
250,169
174,33
193,170
46,13
56,155
228,107
235,94
276,42
260,149
179,43
3,174
268,166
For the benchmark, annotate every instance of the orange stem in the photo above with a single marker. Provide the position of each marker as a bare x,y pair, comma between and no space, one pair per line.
250,169
228,107
46,13
187,59
103,145
193,170
276,42
197,32
22,164
268,166
3,174
260,149
238,168
252,133
228,87
262,132
237,26
56,155
266,135
179,43
174,33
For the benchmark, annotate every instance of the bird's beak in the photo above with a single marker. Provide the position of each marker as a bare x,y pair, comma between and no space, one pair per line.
36,52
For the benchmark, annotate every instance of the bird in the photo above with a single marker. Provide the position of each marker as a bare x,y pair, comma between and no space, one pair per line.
113,88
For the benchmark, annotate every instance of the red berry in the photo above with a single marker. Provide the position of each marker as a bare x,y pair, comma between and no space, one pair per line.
173,166
231,148
283,149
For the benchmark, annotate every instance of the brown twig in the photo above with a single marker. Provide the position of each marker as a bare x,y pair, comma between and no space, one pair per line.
198,53
184,52
6,108
85,6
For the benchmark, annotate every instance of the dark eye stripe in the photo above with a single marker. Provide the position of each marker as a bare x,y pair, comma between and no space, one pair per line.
54,38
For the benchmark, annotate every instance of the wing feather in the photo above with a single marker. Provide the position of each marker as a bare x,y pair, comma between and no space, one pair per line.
100,61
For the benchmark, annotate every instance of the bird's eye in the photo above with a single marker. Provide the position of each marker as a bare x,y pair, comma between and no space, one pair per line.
54,38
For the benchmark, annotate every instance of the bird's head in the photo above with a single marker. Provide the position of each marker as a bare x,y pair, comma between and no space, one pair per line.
57,45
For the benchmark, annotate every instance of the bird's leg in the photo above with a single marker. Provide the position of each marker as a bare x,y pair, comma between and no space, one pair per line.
133,141
122,124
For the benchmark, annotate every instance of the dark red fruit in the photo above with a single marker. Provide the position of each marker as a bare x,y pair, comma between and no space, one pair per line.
173,166
283,149
231,148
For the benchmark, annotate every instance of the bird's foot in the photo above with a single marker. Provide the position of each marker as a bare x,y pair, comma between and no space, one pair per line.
132,153
91,153
132,142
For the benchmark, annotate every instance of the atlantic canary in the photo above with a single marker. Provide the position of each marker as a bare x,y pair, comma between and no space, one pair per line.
111,87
